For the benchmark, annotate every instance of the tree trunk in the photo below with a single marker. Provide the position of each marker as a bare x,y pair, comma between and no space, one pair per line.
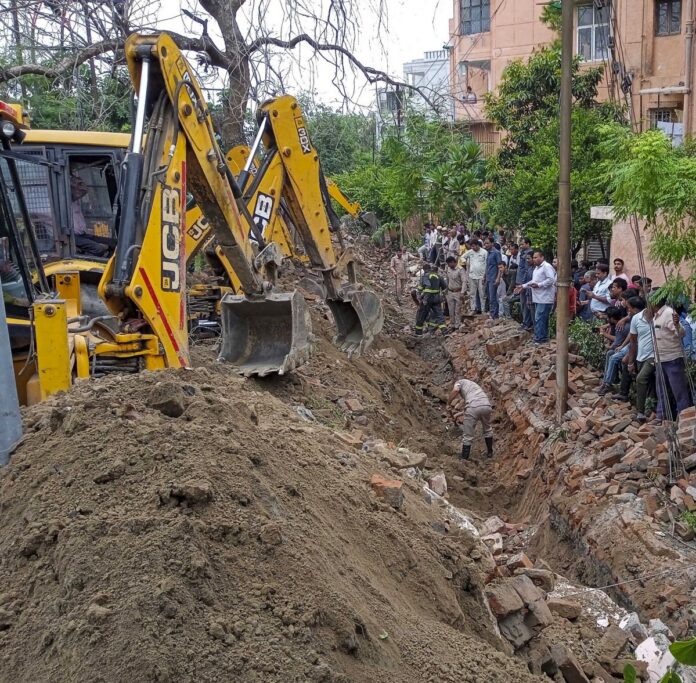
235,103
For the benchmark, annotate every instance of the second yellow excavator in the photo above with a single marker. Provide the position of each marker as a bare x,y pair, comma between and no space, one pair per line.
288,181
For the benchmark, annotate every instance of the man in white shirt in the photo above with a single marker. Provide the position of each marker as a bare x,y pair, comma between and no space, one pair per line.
600,296
478,408
475,263
424,249
543,289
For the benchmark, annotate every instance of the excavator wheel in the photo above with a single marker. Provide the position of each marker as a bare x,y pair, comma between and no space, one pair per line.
265,335
359,319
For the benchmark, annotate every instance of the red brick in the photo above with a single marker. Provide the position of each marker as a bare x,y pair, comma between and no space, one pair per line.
391,490
503,599
519,561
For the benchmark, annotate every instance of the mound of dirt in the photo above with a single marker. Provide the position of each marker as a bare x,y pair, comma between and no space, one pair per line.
190,526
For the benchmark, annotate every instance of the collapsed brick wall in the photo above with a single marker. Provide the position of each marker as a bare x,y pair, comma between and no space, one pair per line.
600,478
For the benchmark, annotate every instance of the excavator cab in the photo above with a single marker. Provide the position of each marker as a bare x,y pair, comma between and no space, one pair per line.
263,331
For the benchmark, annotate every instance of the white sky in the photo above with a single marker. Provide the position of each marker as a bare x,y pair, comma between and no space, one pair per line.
411,27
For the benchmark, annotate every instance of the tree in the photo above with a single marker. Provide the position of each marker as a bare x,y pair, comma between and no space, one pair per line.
523,175
652,181
344,140
528,97
434,167
527,194
258,40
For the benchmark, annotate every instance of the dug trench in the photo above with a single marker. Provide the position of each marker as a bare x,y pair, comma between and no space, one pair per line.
194,526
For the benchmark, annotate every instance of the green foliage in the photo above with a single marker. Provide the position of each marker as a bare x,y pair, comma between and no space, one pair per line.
455,182
551,15
671,677
344,141
523,175
650,179
528,194
590,345
629,673
75,102
684,651
433,167
689,518
528,96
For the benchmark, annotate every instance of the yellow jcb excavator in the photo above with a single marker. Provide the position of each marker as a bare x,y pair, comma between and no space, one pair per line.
143,285
289,182
264,331
51,163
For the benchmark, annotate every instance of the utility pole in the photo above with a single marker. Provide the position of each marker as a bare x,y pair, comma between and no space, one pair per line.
564,220
398,112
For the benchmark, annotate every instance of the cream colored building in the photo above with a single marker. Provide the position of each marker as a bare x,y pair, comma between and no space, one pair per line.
646,47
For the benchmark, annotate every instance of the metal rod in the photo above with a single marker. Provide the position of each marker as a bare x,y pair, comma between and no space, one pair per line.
689,68
257,144
137,140
244,174
564,216
10,417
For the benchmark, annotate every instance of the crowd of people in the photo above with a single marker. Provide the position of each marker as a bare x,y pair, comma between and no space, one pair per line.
649,341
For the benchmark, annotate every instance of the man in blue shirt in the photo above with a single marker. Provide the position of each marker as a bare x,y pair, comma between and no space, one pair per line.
494,272
524,275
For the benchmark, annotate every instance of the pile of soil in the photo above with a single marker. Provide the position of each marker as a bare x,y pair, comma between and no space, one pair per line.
191,526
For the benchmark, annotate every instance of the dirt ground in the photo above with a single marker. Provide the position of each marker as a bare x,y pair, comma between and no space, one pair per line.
193,526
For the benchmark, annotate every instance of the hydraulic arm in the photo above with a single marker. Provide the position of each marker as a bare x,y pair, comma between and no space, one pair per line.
144,283
353,208
290,173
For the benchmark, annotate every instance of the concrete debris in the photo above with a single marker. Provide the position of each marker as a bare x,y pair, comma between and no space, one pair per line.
632,625
503,599
568,665
454,516
612,643
658,627
493,525
494,543
438,483
565,608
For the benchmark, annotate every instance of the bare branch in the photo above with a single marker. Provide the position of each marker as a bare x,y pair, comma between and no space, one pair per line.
202,45
371,74
57,70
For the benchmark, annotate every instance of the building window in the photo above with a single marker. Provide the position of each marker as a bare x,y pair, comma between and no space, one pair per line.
668,17
661,116
593,33
475,16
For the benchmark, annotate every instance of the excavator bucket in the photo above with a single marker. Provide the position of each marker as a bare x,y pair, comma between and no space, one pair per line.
370,219
265,335
359,318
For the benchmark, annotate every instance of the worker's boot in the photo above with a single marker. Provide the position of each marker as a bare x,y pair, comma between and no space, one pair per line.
489,446
466,452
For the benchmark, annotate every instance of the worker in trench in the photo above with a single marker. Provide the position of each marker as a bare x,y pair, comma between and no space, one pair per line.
469,405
